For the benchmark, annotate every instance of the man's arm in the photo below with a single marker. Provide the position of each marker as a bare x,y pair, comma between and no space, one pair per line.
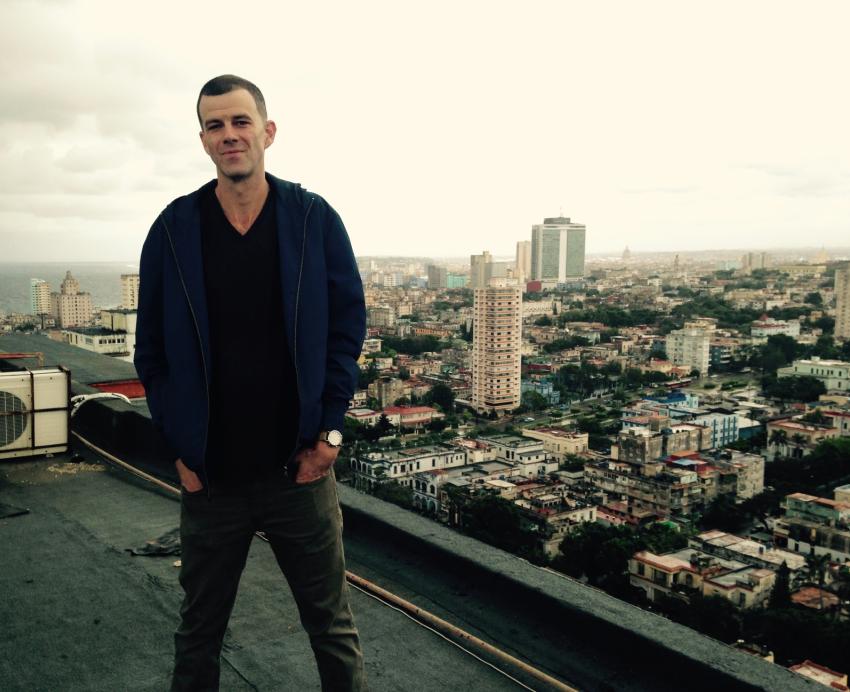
149,357
346,330
346,323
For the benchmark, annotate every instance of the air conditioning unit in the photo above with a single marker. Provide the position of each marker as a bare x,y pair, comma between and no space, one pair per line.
34,412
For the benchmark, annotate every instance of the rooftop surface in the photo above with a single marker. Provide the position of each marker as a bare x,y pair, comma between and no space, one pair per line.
82,613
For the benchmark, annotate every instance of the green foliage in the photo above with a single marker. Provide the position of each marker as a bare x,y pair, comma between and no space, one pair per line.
534,401
415,345
780,596
814,298
563,344
609,316
441,395
802,388
498,522
601,553
392,491
367,376
543,321
794,634
711,306
724,514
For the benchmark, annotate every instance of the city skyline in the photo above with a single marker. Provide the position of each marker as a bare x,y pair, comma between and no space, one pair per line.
654,138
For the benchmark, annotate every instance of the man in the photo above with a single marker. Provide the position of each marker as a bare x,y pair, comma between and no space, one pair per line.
251,319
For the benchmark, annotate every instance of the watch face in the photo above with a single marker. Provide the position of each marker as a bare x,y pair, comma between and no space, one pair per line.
334,438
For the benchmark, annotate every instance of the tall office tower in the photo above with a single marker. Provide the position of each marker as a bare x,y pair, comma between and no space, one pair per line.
496,346
690,347
842,302
70,307
39,297
479,271
557,250
523,261
130,291
627,255
437,277
755,260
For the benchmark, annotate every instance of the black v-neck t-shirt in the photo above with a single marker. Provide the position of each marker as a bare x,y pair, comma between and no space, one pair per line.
253,424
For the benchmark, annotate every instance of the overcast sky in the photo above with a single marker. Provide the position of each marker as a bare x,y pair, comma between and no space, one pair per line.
438,128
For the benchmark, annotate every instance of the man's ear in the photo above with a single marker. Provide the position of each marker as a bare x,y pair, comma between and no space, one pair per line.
271,131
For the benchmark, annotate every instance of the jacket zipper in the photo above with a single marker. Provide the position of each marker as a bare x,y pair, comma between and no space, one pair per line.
295,331
203,359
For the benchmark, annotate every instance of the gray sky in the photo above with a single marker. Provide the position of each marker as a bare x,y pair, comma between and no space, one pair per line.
439,128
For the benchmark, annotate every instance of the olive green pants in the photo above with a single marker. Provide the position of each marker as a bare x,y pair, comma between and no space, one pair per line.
303,524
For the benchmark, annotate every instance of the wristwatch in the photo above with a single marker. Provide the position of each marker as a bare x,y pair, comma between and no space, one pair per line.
331,437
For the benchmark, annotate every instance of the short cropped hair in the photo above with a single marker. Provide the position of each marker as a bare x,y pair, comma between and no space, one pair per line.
224,84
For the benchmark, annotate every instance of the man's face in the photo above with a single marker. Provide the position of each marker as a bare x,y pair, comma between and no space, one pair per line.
234,134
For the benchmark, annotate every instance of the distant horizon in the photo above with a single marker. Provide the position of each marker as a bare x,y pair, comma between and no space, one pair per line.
809,249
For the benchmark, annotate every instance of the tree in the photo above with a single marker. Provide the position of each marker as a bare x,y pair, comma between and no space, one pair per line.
780,596
778,438
496,521
543,321
384,426
443,396
803,388
814,298
535,401
392,491
368,376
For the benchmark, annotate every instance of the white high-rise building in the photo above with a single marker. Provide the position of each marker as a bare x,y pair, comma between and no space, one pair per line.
39,297
557,250
689,347
523,261
497,347
130,291
842,302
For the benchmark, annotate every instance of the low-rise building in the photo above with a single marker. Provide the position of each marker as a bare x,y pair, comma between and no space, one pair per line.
767,326
104,341
795,438
401,465
559,443
412,416
746,550
814,525
687,572
835,374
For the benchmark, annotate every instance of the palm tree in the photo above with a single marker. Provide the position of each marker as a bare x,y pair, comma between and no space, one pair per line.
798,440
778,438
816,568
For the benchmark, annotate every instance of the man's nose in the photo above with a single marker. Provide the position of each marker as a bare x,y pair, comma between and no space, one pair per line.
229,132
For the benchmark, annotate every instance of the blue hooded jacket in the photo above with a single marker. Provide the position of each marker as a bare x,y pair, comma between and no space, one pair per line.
323,311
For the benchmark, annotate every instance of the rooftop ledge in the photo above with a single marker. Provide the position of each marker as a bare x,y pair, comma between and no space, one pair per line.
574,632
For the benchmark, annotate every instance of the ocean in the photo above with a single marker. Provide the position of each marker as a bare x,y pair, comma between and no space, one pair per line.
101,279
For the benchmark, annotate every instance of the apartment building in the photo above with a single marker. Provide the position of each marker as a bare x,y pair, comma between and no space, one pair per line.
842,302
812,524
497,348
690,348
130,291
